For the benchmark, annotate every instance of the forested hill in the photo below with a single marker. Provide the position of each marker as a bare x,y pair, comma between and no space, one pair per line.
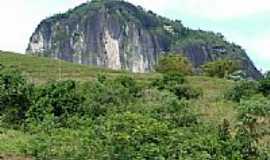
118,35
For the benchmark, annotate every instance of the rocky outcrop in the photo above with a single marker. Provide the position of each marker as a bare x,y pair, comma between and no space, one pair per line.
118,35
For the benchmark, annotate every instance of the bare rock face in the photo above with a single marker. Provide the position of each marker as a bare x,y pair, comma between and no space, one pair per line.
117,35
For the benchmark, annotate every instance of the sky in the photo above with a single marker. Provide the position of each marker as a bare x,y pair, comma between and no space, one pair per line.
245,22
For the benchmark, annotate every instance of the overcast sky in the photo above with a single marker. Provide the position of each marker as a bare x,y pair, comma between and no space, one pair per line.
246,22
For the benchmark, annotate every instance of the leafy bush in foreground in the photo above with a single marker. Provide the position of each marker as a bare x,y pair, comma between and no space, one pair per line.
174,82
60,100
253,114
134,136
15,95
101,97
242,89
254,108
177,113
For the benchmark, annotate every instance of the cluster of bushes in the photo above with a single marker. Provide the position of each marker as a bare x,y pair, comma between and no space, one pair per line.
253,114
15,95
243,144
242,89
116,118
221,68
245,89
22,102
177,63
174,63
176,83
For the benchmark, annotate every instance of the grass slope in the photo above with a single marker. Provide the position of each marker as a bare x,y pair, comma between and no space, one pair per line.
40,70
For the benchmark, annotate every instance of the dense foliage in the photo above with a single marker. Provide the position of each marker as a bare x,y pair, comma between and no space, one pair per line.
120,118
175,83
174,63
245,89
221,68
15,95
242,89
264,86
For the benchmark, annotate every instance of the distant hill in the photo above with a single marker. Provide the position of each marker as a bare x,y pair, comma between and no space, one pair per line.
118,35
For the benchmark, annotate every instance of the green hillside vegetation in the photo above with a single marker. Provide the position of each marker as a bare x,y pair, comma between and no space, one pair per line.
52,109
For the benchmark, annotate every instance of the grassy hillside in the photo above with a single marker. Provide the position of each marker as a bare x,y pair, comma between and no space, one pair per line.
211,106
41,70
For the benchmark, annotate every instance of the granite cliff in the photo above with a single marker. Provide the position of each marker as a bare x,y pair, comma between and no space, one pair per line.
118,35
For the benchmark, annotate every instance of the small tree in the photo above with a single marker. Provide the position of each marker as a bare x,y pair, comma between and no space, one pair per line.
221,68
174,63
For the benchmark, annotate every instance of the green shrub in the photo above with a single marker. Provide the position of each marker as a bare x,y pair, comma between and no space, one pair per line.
253,114
186,91
133,136
129,83
264,86
174,82
59,99
63,143
15,95
242,89
168,79
177,113
221,68
174,63
254,108
245,144
242,145
101,97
